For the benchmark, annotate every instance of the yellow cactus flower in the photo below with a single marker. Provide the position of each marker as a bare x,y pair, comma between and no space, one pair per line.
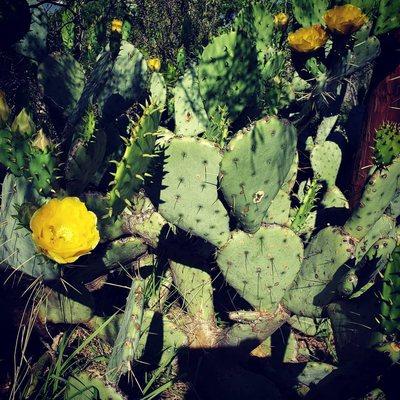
281,19
154,64
345,20
116,25
306,40
64,230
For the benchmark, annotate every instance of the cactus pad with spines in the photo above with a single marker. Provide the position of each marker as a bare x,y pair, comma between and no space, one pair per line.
127,82
387,143
254,167
323,267
135,162
308,201
383,228
309,12
86,152
390,298
388,16
125,346
62,80
379,191
290,179
124,250
158,89
278,211
195,287
325,161
89,386
263,265
17,250
42,166
189,197
58,308
228,73
190,115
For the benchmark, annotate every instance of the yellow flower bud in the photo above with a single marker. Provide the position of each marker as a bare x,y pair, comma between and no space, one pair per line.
281,19
64,230
41,142
4,109
154,64
345,20
23,123
116,25
306,40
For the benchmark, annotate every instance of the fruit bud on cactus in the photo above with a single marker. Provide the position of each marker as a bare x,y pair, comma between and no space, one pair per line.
41,142
116,25
154,64
345,20
281,20
4,109
23,123
64,230
306,40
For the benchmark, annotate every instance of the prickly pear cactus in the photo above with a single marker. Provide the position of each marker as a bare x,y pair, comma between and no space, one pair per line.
189,197
262,266
62,81
387,143
196,290
17,250
88,386
254,167
309,12
126,343
228,73
323,267
86,153
388,16
390,298
190,115
325,161
140,149
378,193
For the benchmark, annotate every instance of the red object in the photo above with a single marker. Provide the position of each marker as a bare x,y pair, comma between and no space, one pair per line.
383,106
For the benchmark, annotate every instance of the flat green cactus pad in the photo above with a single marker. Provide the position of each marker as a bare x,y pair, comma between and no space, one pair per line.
262,266
379,191
189,197
254,167
323,267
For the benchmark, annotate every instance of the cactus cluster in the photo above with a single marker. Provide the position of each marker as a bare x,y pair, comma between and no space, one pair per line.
223,190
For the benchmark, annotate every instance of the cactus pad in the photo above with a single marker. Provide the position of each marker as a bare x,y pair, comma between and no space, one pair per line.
195,287
388,16
278,211
309,12
254,167
139,152
379,191
390,299
262,266
62,80
323,267
189,197
17,249
126,343
190,116
228,73
325,161
387,143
